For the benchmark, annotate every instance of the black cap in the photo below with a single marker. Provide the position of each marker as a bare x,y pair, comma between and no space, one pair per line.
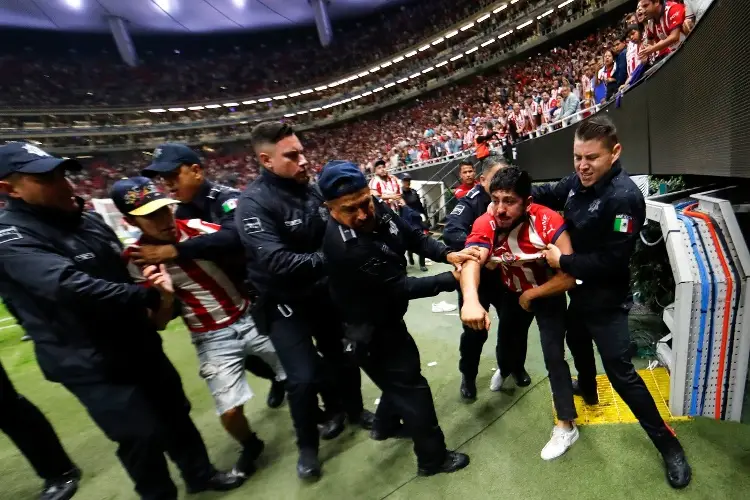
169,157
340,178
26,158
405,177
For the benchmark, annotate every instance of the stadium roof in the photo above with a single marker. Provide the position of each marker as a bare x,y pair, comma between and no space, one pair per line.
173,16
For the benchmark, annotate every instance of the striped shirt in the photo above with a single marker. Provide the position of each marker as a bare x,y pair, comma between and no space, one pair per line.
631,56
209,299
671,19
520,251
389,185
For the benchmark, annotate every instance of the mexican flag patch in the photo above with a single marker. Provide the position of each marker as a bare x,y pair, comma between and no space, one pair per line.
623,224
229,205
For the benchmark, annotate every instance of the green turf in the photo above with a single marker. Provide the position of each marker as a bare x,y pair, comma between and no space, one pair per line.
502,432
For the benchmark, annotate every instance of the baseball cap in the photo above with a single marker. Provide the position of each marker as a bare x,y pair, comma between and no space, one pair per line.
26,158
138,196
340,178
405,177
169,157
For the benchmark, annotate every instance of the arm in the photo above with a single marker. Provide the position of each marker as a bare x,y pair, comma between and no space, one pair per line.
259,234
553,195
458,225
226,239
419,242
560,282
673,38
472,312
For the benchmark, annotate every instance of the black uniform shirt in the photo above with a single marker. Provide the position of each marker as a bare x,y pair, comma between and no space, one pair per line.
367,271
603,222
459,221
213,203
412,200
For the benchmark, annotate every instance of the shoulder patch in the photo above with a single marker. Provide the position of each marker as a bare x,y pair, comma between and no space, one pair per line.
347,234
473,192
458,209
252,225
9,234
623,223
229,205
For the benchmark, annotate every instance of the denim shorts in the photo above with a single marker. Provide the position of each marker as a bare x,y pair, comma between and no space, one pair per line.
221,355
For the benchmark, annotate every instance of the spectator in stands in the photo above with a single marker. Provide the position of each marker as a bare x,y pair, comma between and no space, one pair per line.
570,103
386,186
608,74
694,10
467,176
664,28
635,64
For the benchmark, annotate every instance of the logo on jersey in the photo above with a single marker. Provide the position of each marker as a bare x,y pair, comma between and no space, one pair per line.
252,225
508,258
31,149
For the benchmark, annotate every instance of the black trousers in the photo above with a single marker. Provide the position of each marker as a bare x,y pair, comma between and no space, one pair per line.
510,349
411,259
393,364
608,328
31,432
259,368
334,376
148,418
550,318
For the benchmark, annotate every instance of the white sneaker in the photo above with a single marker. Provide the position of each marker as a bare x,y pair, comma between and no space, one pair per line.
559,443
443,307
497,381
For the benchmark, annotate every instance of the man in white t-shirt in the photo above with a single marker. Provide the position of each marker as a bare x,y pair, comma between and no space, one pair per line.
386,186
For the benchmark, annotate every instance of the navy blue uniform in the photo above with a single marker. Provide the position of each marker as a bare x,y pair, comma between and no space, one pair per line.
370,288
92,333
491,292
281,224
599,306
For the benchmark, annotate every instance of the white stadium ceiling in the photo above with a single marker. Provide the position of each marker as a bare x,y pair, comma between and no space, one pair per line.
174,16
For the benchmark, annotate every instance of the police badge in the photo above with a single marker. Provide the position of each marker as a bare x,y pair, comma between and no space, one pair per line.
323,212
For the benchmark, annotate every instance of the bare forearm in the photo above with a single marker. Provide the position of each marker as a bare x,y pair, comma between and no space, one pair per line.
163,316
559,283
470,281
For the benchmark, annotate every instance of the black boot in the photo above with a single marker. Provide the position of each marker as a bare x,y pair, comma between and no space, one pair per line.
590,398
63,487
380,433
251,450
468,388
276,393
522,378
333,427
677,467
220,481
364,419
453,462
308,465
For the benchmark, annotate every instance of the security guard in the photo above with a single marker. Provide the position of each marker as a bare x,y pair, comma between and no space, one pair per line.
28,428
281,220
364,247
604,212
181,169
90,324
511,349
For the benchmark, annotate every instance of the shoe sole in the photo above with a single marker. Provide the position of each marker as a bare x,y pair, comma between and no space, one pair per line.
433,473
566,449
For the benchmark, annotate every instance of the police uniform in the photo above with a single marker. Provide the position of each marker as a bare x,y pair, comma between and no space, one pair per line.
511,349
92,333
604,222
281,224
370,288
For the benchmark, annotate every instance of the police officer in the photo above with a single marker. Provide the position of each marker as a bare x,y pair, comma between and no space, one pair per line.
181,169
511,349
90,324
364,247
281,220
604,212
27,427
414,213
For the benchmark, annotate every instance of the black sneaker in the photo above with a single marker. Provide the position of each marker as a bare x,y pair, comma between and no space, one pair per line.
308,465
333,427
591,399
251,450
522,378
677,467
468,388
423,269
276,394
62,488
220,481
453,462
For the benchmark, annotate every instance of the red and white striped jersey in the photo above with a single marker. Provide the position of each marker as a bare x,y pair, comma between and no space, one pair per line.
536,109
631,56
389,185
210,300
671,19
520,251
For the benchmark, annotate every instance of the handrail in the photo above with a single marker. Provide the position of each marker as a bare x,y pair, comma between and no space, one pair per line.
564,122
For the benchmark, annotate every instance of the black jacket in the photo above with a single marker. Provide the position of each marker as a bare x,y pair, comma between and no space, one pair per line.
367,271
72,291
412,200
213,203
601,247
281,225
467,210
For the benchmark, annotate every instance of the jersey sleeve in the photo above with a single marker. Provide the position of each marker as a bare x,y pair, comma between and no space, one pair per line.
375,186
549,224
675,17
482,233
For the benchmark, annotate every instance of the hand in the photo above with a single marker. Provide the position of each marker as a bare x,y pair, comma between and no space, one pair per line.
159,278
552,254
491,264
645,52
525,300
467,254
475,317
154,254
456,274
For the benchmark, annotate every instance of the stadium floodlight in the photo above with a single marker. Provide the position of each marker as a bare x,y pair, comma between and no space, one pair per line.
251,101
451,34
503,7
544,14
317,89
335,84
564,4
315,109
310,91
464,28
176,109
415,75
424,47
438,41
410,54
456,58
240,4
513,2
279,97
377,89
157,110
288,115
374,69
264,99
473,49
231,104
505,34
356,97
365,94
402,80
398,59
165,5
389,85
427,70
483,18
521,26
295,94
386,64
364,73
346,100
491,40
196,108
213,106
302,112
74,4
243,122
441,64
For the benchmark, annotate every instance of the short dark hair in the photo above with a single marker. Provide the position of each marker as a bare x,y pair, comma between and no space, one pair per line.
269,133
512,179
491,162
465,163
379,162
598,127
